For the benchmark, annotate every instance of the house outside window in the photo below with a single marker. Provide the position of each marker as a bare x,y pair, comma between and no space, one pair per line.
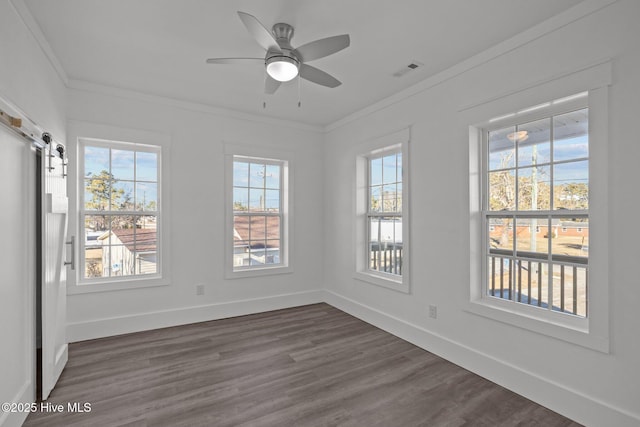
120,210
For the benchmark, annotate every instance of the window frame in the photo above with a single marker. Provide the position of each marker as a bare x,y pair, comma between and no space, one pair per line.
260,155
80,131
591,332
376,148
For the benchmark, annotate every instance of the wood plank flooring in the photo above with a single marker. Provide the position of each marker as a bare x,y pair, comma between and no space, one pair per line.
305,366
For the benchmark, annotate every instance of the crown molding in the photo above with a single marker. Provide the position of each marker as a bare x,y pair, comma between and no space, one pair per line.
86,86
22,10
577,12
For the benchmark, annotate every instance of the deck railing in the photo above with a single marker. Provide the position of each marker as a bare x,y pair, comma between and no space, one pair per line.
386,257
529,278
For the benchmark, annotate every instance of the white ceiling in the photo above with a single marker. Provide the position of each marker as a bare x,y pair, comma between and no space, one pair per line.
159,47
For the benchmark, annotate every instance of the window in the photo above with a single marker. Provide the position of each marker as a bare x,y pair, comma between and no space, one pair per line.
257,212
258,215
381,213
550,162
536,175
384,213
120,211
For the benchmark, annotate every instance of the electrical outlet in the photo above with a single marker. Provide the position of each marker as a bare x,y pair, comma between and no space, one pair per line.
433,311
200,289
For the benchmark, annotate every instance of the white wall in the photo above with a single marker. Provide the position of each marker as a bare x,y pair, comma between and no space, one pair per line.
29,82
196,183
587,385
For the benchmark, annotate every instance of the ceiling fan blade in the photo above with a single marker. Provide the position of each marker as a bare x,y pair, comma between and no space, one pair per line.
323,47
315,75
259,32
235,61
270,85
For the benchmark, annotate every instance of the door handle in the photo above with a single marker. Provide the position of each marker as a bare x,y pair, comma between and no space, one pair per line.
72,263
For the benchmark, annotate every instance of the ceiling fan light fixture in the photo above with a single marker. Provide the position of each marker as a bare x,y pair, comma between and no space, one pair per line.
282,68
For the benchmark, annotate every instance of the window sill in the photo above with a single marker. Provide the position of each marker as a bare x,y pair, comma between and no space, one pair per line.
385,281
258,272
117,284
557,325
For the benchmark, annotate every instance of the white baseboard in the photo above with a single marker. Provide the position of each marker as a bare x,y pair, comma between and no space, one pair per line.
570,403
100,328
25,395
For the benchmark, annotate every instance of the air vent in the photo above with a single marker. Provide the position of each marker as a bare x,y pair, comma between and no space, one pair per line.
410,67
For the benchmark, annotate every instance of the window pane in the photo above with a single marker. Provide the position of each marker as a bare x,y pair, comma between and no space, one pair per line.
272,200
385,244
571,135
145,261
376,199
273,227
256,172
96,193
94,226
399,197
501,233
93,262
533,139
502,190
147,222
531,236
240,199
122,164
534,188
256,199
389,169
570,289
273,252
500,276
389,198
147,196
122,196
375,171
571,185
501,149
146,166
257,228
531,283
570,238
96,161
240,174
272,178
241,231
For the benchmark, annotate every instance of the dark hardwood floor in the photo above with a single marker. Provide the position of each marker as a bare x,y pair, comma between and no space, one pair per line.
306,366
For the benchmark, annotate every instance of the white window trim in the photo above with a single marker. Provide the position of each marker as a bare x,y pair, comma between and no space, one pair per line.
287,251
592,332
362,273
83,131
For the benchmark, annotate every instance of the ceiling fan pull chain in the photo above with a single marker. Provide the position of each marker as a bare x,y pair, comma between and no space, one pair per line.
299,91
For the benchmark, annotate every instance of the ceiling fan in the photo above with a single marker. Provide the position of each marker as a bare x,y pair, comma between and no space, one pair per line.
283,62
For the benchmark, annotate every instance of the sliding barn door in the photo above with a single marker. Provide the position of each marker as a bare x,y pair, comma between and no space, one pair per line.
55,209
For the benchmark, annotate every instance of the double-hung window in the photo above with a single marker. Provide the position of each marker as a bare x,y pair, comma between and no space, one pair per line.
384,212
259,200
381,220
535,210
120,211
